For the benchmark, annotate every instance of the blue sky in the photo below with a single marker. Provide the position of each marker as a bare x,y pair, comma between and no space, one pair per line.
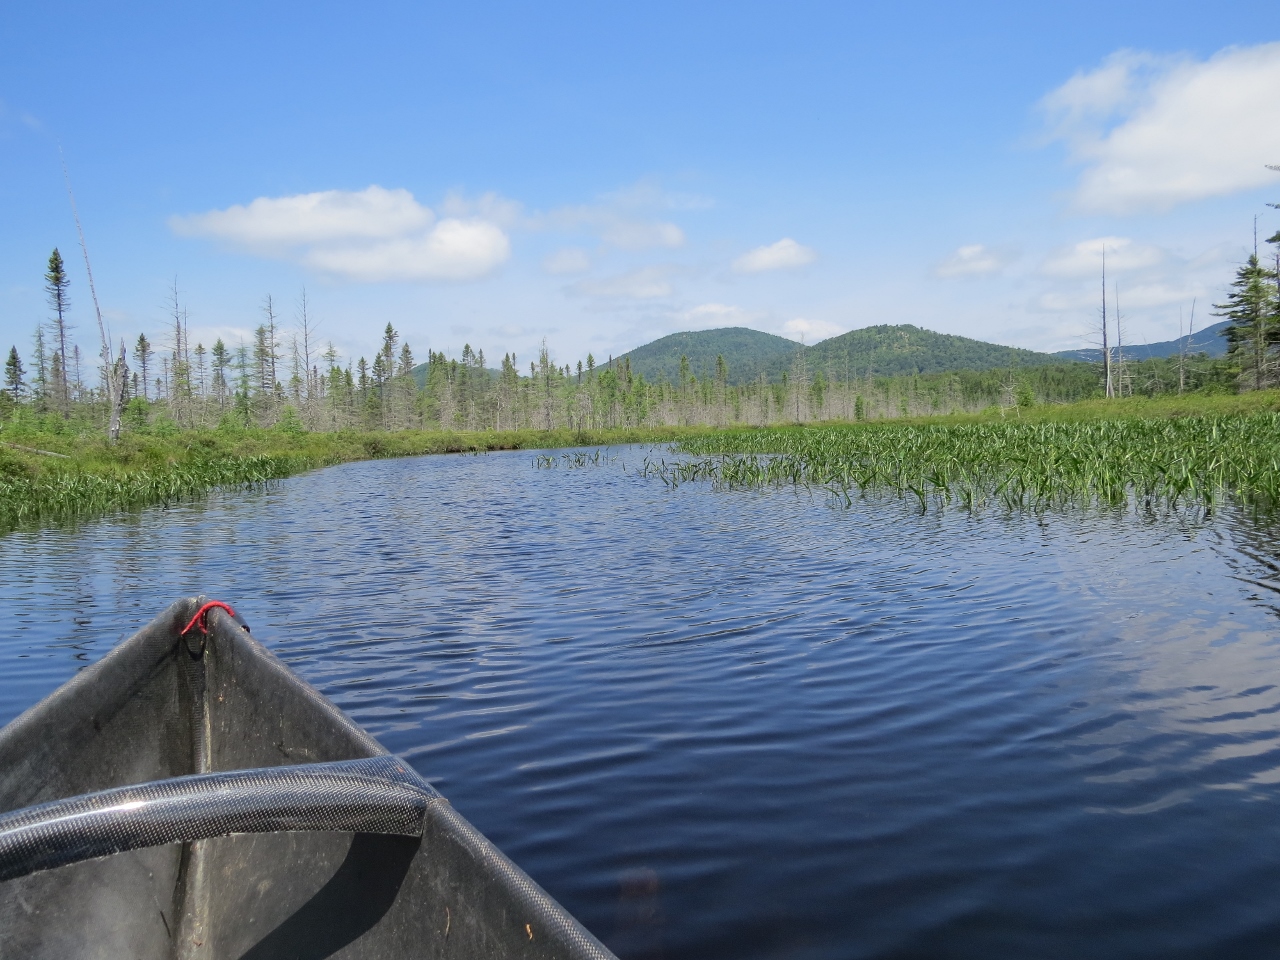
604,174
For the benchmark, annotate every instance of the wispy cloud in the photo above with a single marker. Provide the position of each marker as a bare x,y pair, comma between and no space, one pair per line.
647,283
633,218
1154,132
811,331
567,261
373,234
707,316
786,254
974,260
1084,259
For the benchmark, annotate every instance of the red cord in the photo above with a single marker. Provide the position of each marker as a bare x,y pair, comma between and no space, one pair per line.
201,619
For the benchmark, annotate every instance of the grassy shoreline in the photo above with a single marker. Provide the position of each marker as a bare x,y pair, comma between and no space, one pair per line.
58,478
48,478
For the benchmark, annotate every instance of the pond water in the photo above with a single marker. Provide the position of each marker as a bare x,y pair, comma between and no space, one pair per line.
752,724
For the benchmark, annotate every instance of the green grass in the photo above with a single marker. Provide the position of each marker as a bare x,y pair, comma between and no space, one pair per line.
1191,450
93,477
1035,463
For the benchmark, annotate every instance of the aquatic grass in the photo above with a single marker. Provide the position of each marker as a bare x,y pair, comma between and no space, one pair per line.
56,477
72,494
575,459
1193,462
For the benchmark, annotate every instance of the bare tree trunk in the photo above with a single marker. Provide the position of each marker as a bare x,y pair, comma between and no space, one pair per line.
114,370
1106,348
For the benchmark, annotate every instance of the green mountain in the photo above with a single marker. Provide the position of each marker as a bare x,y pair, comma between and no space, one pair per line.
890,350
885,350
1210,340
747,352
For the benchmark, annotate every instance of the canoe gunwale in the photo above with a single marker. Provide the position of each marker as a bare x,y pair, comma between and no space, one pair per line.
377,795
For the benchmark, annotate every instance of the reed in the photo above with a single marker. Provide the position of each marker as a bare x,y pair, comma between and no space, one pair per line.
48,478
1195,462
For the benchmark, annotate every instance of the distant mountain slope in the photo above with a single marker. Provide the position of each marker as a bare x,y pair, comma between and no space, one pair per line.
420,374
1209,340
904,349
747,352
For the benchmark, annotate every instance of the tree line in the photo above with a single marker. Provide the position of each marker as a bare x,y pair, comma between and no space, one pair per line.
287,378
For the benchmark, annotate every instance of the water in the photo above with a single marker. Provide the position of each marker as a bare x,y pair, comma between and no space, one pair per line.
750,724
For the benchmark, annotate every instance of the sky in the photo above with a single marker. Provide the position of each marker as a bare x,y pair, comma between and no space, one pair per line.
599,175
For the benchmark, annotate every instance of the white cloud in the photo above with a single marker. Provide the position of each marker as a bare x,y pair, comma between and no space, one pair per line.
368,235
452,250
1155,132
501,211
647,283
974,260
1084,259
273,222
567,261
811,331
783,255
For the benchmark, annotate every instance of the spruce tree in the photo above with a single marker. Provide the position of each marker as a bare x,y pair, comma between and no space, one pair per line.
142,350
56,284
13,374
1254,330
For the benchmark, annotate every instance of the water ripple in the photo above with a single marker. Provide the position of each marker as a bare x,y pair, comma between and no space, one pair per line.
747,724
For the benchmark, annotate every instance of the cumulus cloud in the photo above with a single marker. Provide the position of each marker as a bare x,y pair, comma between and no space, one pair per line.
567,261
452,250
974,260
490,207
647,283
1155,132
811,331
1084,259
273,222
373,234
786,254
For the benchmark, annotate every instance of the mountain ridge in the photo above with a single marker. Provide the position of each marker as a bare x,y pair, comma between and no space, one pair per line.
1210,340
884,350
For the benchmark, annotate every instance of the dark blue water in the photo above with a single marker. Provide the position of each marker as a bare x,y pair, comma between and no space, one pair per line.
750,724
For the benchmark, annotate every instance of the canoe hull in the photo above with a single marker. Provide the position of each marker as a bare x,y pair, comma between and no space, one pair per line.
160,706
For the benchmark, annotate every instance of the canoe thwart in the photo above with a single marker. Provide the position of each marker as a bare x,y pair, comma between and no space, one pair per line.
379,795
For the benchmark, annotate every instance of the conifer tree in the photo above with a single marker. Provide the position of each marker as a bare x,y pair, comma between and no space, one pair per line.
56,284
221,358
1253,331
142,350
41,357
13,375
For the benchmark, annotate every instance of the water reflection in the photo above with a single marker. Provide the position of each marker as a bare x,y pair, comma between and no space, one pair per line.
748,724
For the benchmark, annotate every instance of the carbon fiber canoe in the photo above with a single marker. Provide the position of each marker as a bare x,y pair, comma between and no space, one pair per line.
188,796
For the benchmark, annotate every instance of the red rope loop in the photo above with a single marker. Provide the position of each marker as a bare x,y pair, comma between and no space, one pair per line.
201,619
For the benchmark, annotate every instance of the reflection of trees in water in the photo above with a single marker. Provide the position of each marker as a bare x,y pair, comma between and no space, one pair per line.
637,933
1252,551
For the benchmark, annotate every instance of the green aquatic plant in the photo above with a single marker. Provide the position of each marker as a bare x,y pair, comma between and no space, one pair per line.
1167,463
574,458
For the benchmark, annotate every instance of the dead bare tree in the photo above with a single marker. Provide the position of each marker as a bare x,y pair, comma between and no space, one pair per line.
1106,348
115,371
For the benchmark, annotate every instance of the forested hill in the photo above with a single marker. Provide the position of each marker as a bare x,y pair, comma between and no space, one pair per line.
889,350
886,350
1210,340
748,353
